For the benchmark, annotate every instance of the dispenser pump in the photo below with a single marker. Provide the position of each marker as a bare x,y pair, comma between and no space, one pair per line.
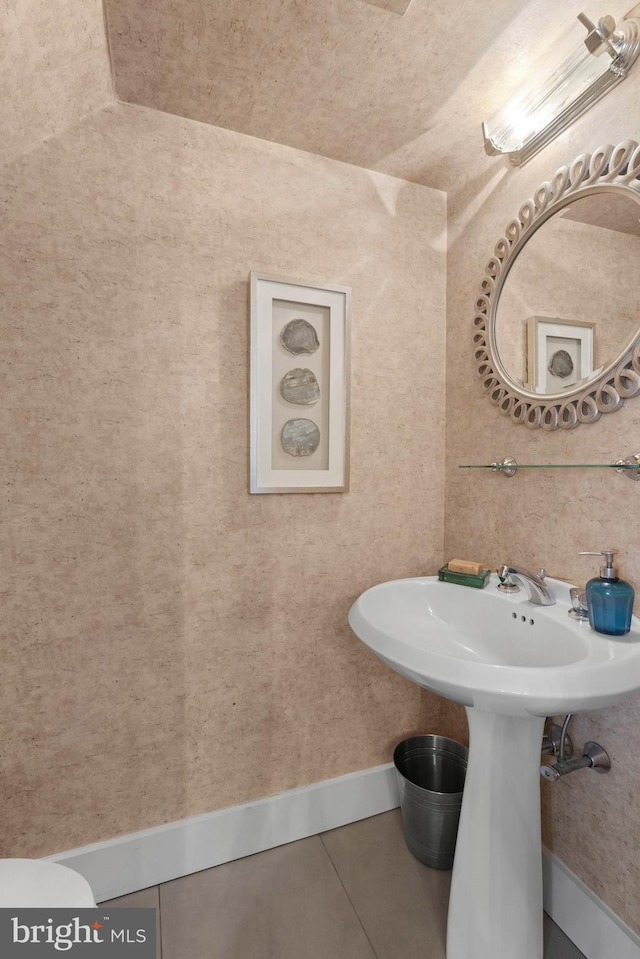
609,599
608,571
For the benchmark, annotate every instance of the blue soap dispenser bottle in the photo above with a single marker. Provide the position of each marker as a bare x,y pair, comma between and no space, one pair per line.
609,599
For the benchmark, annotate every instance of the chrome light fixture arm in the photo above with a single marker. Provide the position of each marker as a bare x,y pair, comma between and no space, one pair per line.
625,41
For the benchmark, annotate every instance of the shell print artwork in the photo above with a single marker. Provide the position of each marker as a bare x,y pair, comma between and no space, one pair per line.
299,336
561,364
300,387
300,437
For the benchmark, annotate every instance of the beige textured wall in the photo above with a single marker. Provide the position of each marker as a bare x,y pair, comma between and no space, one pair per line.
172,644
592,823
54,69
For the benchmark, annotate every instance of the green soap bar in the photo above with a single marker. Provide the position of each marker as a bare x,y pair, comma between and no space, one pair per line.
464,579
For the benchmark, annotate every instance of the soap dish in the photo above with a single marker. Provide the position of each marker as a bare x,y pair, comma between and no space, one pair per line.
464,579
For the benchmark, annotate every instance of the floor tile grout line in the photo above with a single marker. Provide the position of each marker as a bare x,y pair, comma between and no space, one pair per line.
346,892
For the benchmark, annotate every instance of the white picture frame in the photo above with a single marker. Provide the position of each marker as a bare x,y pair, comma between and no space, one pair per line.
299,386
559,353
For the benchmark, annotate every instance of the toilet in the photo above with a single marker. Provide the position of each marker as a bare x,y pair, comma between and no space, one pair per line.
34,883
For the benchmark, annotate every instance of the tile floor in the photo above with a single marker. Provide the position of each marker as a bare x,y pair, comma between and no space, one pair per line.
351,893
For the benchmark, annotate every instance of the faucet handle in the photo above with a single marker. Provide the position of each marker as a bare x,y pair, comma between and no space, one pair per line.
506,584
579,609
542,572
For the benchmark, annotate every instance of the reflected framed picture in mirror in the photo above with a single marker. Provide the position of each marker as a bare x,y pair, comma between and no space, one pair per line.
559,353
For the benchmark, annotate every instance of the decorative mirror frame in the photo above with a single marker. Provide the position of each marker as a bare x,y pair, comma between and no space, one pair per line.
609,169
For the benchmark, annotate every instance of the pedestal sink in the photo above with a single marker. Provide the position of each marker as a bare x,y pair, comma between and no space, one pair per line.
510,664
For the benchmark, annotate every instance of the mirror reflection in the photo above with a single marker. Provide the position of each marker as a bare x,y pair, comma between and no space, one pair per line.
570,305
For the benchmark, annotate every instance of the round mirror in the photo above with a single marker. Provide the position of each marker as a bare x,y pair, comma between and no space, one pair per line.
557,325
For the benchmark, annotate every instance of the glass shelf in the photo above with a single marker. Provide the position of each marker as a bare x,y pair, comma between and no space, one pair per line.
498,467
630,466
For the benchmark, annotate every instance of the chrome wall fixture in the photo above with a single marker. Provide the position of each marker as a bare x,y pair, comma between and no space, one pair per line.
558,743
534,117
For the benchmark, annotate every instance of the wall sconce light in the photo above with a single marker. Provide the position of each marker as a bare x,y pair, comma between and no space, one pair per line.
532,119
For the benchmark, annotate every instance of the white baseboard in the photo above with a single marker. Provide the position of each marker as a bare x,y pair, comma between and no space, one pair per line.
583,917
138,860
128,863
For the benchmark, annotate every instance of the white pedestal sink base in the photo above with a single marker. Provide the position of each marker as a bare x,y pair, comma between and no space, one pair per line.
518,662
495,909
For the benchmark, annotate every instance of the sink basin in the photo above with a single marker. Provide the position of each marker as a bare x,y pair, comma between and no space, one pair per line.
480,647
511,664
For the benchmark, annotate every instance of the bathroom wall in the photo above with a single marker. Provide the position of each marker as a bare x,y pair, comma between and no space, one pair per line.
544,518
54,69
170,643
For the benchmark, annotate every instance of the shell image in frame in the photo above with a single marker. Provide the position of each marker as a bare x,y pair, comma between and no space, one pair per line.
300,437
300,387
561,364
299,336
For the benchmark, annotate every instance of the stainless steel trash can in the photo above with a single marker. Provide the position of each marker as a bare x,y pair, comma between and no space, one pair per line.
430,772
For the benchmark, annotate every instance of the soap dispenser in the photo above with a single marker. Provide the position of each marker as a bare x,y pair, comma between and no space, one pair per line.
609,599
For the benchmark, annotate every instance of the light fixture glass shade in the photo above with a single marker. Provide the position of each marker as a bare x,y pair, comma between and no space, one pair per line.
531,119
528,114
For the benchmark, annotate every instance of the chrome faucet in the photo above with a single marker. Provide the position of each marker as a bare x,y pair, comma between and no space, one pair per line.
539,592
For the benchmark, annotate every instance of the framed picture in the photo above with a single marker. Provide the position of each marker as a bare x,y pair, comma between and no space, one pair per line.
299,408
559,353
